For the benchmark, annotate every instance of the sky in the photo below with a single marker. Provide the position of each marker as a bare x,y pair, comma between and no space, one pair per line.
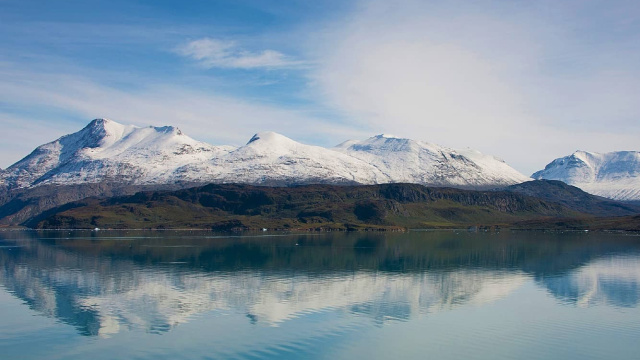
526,81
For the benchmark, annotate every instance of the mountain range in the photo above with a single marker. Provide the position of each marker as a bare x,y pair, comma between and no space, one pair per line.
108,151
106,159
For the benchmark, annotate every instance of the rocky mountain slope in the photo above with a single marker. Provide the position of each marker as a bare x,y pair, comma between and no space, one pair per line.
614,175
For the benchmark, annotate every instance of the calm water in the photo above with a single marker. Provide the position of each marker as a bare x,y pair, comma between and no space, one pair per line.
419,295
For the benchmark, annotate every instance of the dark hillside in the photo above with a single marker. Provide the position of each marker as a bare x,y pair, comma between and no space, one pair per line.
228,206
574,198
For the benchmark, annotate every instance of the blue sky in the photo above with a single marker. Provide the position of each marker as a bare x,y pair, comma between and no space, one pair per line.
526,81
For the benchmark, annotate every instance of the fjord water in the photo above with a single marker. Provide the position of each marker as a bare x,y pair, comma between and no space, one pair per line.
441,295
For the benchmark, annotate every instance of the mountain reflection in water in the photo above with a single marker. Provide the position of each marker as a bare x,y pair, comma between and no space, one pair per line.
108,282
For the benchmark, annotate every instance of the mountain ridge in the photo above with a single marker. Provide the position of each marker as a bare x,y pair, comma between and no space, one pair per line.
105,150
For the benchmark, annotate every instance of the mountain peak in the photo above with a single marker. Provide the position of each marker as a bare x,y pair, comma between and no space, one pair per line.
384,143
100,122
110,127
615,174
99,133
387,136
270,137
96,125
167,130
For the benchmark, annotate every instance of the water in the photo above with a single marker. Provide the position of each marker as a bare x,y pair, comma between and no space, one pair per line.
439,295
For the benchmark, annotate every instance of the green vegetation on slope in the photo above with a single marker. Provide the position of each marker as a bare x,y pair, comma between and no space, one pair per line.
241,207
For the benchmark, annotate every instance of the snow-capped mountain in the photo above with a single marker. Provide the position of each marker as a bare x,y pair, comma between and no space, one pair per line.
615,175
410,161
108,151
273,159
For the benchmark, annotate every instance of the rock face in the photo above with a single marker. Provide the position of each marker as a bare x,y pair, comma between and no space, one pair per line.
106,151
614,175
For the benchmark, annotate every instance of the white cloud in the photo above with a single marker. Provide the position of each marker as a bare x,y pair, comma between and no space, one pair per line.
507,80
214,118
227,54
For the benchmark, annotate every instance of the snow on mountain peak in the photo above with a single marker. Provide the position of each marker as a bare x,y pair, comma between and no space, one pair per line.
106,150
269,143
270,137
106,126
387,136
406,160
102,133
384,143
111,131
614,175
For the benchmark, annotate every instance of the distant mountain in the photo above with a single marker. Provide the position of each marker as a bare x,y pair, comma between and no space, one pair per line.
106,151
417,162
614,175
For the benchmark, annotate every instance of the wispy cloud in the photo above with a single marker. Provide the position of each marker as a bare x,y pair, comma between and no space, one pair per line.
215,118
212,53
